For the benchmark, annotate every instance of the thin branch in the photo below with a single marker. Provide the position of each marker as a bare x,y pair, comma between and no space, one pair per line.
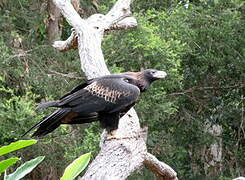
160,169
70,43
196,88
69,75
22,53
126,23
19,55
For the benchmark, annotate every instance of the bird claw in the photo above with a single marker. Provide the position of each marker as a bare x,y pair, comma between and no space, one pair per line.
112,135
73,30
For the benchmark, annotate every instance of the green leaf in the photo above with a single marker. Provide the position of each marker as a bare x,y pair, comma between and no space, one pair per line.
16,145
7,163
76,167
24,169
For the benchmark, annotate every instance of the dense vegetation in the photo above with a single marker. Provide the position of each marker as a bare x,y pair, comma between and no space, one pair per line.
200,44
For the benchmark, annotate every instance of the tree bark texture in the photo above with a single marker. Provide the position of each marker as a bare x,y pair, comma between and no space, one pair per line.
121,156
213,153
54,29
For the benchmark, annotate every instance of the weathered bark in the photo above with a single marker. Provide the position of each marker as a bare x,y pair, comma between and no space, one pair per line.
54,29
210,155
76,4
160,169
121,156
213,154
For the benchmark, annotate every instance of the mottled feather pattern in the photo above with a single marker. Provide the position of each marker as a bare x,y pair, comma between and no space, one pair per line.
108,94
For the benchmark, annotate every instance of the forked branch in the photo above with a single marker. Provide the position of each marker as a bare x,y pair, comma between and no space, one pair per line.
119,17
119,157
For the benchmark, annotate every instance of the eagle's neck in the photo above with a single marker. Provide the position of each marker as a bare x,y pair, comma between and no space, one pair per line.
142,82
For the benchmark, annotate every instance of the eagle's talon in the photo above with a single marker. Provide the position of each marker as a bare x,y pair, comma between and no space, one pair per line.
113,132
112,135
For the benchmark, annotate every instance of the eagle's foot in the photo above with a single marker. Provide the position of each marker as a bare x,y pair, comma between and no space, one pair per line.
113,132
112,135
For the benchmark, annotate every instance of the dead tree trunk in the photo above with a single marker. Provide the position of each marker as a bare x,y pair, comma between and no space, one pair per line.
213,154
118,158
54,29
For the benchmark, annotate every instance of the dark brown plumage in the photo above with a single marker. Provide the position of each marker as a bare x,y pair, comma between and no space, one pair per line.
106,99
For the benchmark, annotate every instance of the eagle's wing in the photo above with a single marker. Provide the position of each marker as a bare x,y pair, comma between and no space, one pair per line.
110,93
75,89
54,103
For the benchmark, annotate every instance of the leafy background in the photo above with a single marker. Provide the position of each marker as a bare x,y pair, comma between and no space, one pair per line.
198,43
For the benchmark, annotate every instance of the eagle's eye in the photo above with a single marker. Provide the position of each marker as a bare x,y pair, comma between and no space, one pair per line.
126,80
152,72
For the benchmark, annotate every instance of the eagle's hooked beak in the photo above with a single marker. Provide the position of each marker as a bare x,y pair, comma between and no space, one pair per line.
159,74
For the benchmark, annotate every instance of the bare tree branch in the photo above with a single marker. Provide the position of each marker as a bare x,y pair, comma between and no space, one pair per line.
121,156
54,30
126,23
69,75
196,88
160,169
70,43
21,53
118,18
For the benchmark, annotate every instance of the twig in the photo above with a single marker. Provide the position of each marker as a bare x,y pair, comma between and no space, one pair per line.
69,75
196,88
160,169
23,53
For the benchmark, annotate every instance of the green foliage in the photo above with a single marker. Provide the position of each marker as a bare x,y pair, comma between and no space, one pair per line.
24,169
4,50
88,141
198,43
197,46
76,167
10,148
16,145
14,111
5,164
